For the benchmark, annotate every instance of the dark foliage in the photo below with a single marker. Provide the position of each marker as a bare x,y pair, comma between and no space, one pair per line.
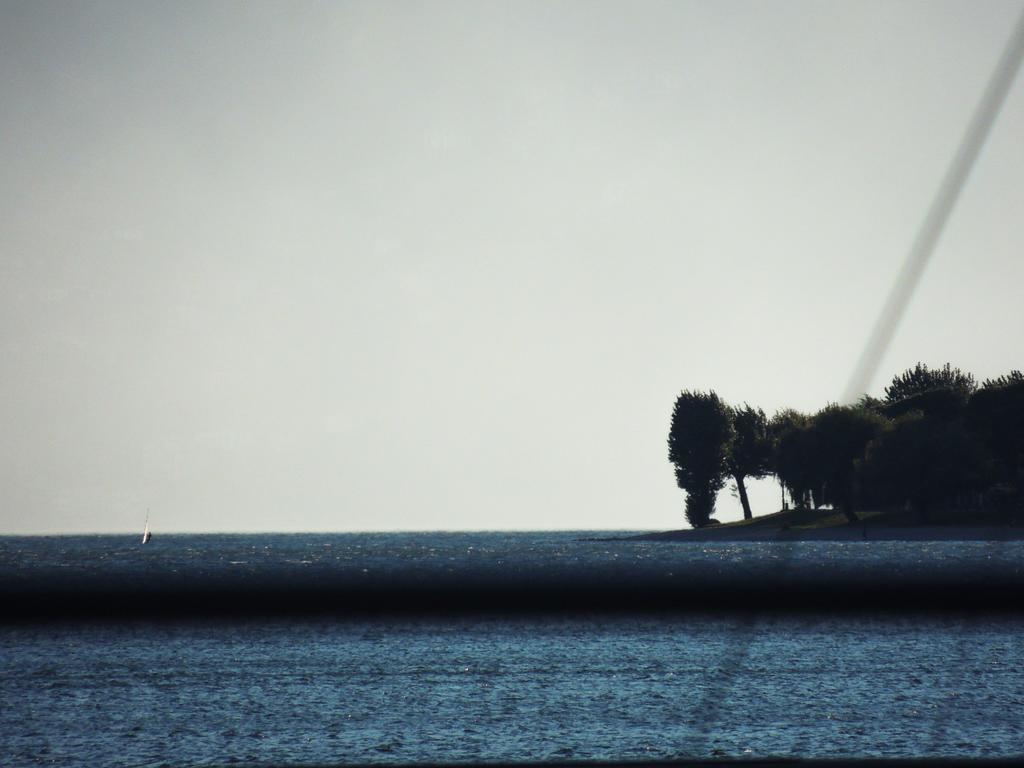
750,452
1013,377
996,414
935,442
925,460
869,403
793,454
921,379
698,446
939,403
841,434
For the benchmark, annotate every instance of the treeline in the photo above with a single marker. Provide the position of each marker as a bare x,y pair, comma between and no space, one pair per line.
936,440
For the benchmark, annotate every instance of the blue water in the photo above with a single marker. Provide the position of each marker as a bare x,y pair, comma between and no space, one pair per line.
434,690
459,558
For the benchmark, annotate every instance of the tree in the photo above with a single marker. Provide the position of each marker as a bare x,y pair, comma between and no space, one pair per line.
921,378
1013,377
750,452
948,404
869,403
996,414
941,392
792,450
925,460
840,435
698,445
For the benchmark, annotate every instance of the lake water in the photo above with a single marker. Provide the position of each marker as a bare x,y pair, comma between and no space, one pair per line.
430,689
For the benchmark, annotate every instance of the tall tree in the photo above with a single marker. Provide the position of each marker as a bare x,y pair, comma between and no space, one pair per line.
841,434
698,445
750,452
792,451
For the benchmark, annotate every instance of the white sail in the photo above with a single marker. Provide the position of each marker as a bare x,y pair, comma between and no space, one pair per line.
146,535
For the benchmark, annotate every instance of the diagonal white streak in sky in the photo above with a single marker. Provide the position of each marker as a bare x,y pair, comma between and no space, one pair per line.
934,222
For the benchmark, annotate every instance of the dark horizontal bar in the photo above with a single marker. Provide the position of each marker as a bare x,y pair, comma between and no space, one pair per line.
44,603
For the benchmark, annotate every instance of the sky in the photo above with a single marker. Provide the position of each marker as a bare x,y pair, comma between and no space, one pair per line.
446,266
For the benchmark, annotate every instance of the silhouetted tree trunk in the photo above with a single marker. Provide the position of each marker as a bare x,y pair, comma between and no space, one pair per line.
799,498
747,514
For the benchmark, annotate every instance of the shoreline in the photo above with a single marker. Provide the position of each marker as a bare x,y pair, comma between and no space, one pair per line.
861,532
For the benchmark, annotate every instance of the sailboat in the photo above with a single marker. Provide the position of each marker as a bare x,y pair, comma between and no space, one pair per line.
146,535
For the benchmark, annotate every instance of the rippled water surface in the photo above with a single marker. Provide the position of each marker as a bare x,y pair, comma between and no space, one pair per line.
401,691
455,557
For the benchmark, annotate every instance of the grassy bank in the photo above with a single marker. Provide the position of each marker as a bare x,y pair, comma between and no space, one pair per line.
874,525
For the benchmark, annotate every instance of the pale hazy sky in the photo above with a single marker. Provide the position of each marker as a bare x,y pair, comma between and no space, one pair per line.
349,266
